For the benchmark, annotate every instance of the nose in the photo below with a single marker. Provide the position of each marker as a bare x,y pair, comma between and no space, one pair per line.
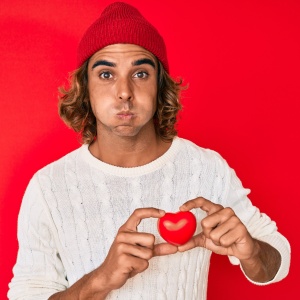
124,90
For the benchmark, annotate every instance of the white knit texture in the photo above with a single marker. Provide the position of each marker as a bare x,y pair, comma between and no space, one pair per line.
73,208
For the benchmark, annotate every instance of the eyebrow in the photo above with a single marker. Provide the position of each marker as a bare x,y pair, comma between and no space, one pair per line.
135,63
144,61
103,63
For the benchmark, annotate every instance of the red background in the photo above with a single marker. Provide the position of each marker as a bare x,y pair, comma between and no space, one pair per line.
241,60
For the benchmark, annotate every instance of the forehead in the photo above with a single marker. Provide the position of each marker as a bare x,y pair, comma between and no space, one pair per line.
121,51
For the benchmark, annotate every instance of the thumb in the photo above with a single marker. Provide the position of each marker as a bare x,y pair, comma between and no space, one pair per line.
164,249
196,241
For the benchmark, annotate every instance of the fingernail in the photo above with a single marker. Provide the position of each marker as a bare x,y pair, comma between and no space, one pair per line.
161,211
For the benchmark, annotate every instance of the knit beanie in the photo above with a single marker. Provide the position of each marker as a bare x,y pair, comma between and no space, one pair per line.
121,23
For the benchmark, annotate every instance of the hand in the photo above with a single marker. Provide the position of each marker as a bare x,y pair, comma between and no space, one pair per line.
129,255
223,232
131,250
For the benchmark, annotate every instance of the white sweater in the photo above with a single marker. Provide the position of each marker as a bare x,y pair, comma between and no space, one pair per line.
73,208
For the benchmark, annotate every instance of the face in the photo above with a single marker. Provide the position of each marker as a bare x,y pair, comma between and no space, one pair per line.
122,83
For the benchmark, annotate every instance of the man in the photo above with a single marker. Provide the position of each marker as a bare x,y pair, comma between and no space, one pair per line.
88,222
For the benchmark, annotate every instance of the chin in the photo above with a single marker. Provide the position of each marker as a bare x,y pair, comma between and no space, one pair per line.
126,133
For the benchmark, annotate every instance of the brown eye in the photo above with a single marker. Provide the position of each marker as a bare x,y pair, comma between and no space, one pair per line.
106,75
141,74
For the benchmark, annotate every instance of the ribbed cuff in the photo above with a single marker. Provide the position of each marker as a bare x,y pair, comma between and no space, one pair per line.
280,243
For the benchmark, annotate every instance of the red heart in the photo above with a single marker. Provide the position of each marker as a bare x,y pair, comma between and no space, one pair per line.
178,228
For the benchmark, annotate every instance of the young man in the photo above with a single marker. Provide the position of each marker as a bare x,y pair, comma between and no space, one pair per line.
88,222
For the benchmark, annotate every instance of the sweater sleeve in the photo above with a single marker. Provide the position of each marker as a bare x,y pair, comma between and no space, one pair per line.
38,272
259,225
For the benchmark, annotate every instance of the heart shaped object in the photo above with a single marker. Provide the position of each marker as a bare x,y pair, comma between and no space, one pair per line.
178,228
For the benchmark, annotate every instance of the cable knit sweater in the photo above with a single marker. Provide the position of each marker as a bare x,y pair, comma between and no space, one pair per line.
73,208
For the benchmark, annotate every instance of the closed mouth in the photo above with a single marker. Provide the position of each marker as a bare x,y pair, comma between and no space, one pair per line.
125,115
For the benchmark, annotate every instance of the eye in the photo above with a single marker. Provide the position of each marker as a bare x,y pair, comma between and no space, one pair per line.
105,75
141,74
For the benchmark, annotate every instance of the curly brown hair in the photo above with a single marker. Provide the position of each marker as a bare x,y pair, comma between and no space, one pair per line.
75,108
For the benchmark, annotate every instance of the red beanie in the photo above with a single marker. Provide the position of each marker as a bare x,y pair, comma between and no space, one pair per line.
121,23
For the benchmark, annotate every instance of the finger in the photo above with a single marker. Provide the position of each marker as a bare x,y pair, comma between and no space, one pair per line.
215,220
196,241
140,214
135,250
230,235
138,265
202,203
136,238
164,249
219,225
131,265
201,241
228,239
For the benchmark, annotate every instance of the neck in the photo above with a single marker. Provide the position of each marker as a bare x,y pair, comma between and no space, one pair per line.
128,152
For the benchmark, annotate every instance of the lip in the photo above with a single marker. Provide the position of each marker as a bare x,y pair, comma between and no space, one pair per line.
125,115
